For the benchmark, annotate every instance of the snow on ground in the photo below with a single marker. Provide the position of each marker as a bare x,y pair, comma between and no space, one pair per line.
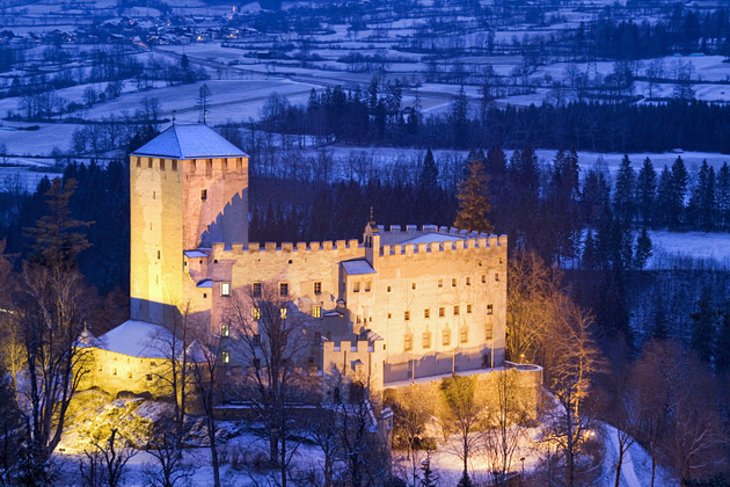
635,466
672,247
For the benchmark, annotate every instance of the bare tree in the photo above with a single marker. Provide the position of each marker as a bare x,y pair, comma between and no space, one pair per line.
463,415
575,359
506,425
206,364
270,340
107,459
51,311
169,468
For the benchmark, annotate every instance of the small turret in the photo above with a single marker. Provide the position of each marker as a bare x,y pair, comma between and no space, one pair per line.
371,240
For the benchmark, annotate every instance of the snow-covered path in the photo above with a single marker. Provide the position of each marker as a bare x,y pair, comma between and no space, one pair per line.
627,465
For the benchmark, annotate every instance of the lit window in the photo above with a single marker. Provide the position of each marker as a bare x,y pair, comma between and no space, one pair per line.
490,309
203,194
407,342
283,289
426,340
256,314
256,289
464,335
317,311
468,308
406,315
456,310
442,312
318,287
426,313
446,337
282,312
225,289
225,330
225,356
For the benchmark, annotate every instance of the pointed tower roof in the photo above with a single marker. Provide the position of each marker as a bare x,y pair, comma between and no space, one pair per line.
189,142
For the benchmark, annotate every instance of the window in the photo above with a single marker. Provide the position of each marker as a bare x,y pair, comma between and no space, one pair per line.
162,164
426,340
174,165
149,163
388,289
318,287
446,337
256,314
464,335
225,330
496,276
413,285
129,375
225,356
488,331
407,342
239,164
426,313
407,315
256,289
317,311
282,312
283,289
484,279
453,283
158,255
367,286
490,309
355,287
115,372
148,377
441,283
456,310
468,309
139,162
390,315
225,289
442,312
203,194
209,167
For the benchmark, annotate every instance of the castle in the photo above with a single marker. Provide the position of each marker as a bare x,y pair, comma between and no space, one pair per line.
402,305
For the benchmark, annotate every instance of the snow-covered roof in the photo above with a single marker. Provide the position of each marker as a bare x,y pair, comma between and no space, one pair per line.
137,339
205,283
359,266
433,237
180,141
195,254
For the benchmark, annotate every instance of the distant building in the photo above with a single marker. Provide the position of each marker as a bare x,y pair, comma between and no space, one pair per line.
402,305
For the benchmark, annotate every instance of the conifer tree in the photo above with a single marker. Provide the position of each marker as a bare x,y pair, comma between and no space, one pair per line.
646,193
702,203
643,249
589,252
665,199
660,329
473,203
723,196
497,177
623,196
679,192
460,118
428,477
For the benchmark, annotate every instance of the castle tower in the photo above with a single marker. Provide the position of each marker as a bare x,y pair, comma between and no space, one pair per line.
188,189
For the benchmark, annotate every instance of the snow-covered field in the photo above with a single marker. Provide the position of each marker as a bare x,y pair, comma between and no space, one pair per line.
670,248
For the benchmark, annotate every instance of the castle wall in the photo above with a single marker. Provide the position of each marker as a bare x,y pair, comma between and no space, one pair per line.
156,220
115,372
360,361
412,303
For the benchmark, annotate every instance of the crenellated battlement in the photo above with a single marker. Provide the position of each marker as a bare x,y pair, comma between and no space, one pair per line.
220,250
359,347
